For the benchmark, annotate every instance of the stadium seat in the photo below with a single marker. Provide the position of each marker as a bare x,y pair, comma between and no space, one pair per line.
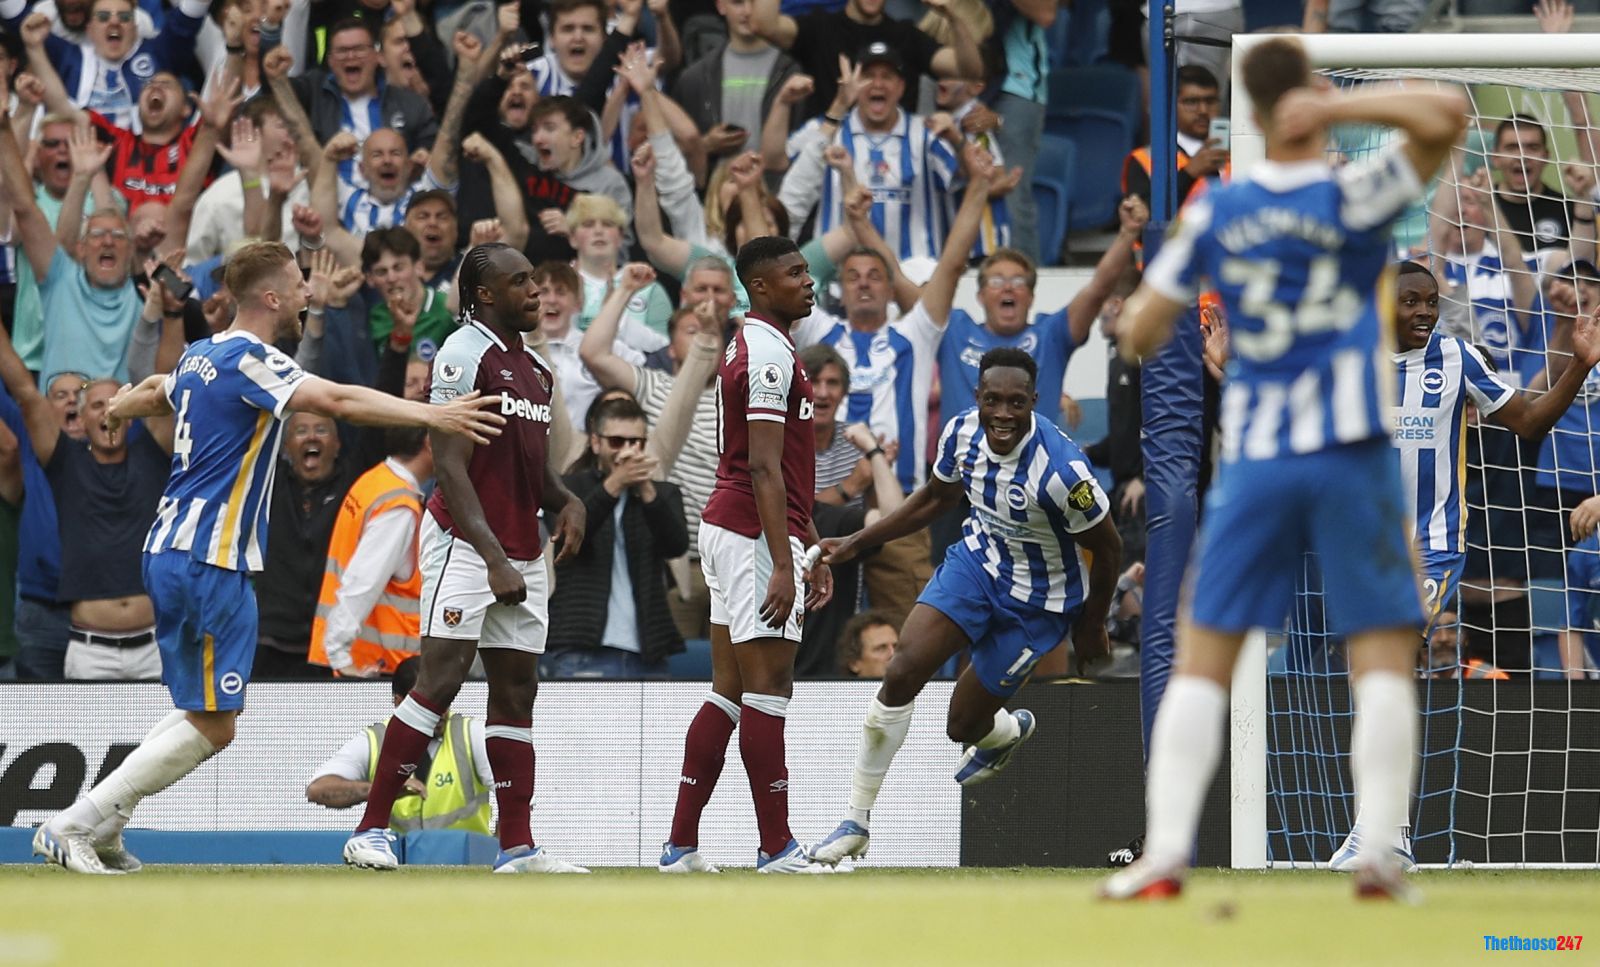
1052,191
695,662
1264,14
1059,39
1091,33
1098,109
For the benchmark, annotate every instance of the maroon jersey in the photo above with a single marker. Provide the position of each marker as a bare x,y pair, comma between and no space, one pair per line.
761,379
140,170
507,473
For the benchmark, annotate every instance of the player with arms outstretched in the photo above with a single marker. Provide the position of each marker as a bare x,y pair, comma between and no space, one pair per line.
1012,588
1439,375
230,394
1297,251
753,540
484,586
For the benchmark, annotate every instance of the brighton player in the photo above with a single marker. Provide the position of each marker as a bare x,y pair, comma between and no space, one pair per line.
753,539
1012,589
485,590
230,394
1439,375
1297,251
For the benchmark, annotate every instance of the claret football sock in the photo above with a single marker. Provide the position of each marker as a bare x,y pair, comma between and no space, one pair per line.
761,747
882,734
1185,746
705,749
405,742
511,759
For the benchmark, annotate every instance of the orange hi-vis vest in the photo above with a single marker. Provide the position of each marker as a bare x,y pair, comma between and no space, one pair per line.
1141,156
390,632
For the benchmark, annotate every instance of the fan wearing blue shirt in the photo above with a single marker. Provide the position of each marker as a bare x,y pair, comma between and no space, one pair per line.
1006,281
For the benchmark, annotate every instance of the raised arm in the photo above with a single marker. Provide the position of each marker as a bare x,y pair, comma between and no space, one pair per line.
669,48
940,291
325,197
29,226
444,159
779,121
858,218
1431,119
89,159
961,58
596,350
44,428
1532,419
507,195
35,33
275,68
694,374
774,26
1085,306
670,255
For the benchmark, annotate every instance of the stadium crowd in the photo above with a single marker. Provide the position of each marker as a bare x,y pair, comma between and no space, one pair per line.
628,147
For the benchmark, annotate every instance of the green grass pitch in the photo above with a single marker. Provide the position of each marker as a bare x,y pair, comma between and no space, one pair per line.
438,916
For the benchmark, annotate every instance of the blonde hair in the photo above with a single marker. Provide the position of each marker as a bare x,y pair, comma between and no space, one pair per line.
252,264
587,207
974,12
716,216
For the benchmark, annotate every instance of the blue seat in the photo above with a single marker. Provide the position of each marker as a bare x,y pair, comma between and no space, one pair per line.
1059,39
1052,192
695,662
1090,38
1108,90
1102,145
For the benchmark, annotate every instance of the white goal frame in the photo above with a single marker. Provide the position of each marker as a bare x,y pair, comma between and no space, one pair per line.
1248,719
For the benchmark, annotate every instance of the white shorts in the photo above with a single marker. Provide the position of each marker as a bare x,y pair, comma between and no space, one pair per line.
456,602
737,569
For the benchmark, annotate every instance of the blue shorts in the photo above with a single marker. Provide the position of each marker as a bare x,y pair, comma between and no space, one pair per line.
1008,636
1343,504
206,629
1441,580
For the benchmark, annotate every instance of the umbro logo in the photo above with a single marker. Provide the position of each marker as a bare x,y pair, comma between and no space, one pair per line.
778,785
506,373
407,768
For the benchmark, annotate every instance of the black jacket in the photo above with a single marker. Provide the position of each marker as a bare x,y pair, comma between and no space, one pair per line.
653,534
699,89
298,528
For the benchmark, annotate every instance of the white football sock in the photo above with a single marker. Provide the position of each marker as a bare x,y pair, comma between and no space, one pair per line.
156,764
113,824
882,734
1383,751
1185,745
1005,731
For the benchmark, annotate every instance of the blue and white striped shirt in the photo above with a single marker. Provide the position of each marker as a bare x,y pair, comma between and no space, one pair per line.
1026,505
1430,424
910,173
1515,341
230,393
891,379
1296,252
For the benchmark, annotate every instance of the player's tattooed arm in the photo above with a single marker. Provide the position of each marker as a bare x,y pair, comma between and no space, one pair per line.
927,504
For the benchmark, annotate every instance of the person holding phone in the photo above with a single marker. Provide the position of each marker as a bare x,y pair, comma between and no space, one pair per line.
1202,136
730,90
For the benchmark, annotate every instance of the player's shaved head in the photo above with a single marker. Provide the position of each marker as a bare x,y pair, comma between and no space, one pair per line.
1272,69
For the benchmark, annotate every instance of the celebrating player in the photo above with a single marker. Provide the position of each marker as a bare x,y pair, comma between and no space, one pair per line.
1438,375
230,394
484,587
1012,588
1296,251
753,536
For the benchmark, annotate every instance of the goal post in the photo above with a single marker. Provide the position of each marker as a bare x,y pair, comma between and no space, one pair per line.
1511,817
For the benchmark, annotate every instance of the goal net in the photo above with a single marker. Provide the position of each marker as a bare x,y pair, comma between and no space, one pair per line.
1510,731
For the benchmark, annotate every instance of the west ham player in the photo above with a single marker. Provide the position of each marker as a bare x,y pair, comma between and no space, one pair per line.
230,394
753,537
1439,374
1013,588
1297,251
484,586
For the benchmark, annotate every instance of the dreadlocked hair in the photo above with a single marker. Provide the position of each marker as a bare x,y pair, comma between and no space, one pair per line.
471,276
